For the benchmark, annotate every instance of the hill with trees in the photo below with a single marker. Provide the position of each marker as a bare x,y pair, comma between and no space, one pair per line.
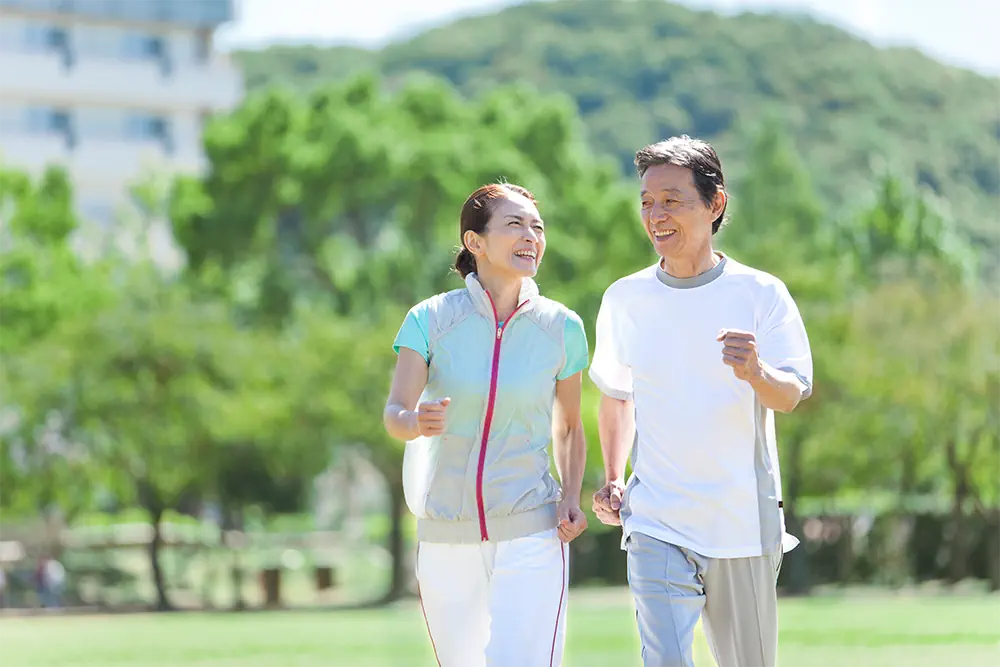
644,70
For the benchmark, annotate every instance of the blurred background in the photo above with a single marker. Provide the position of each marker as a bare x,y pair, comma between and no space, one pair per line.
215,214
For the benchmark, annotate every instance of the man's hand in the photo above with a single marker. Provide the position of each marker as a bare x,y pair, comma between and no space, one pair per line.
608,503
739,351
572,521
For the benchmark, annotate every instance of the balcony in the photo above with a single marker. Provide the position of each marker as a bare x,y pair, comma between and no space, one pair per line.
143,84
97,165
192,13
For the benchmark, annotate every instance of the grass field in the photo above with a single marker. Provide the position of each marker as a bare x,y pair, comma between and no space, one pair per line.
875,630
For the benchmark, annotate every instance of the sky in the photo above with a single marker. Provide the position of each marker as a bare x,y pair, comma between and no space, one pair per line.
960,32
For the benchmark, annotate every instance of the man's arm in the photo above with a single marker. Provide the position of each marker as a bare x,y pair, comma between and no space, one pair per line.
616,425
777,390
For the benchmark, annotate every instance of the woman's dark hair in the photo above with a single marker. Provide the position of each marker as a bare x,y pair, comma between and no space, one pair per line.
476,213
693,154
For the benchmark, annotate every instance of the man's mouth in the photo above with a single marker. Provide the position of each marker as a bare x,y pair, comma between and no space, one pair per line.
661,235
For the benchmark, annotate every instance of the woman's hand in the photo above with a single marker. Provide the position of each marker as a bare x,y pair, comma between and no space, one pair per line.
572,521
429,417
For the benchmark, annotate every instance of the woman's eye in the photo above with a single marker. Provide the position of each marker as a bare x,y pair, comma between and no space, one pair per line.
647,204
539,228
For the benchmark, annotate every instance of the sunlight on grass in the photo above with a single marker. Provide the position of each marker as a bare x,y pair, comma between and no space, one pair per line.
872,631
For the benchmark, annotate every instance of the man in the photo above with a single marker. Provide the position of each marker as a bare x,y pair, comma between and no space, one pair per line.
692,357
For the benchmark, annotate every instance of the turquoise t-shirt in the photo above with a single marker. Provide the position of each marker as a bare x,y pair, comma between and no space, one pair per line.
413,334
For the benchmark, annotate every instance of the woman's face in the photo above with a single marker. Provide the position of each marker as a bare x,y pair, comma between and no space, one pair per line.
514,241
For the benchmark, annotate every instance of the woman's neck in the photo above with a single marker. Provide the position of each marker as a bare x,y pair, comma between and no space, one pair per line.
505,292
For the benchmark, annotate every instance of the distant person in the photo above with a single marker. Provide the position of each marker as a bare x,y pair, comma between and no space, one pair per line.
693,355
487,376
50,580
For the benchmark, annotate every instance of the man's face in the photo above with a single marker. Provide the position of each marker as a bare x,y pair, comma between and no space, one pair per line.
677,221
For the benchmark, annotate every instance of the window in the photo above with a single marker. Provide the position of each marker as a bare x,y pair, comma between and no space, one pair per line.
43,38
50,120
148,47
141,126
45,120
142,46
39,38
146,127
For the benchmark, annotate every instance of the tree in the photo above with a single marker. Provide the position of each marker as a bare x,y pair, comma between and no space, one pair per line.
136,381
346,202
42,283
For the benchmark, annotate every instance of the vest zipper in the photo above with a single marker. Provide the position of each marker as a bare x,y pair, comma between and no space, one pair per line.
483,534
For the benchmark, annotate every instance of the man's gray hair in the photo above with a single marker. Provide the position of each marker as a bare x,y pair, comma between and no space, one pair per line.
693,154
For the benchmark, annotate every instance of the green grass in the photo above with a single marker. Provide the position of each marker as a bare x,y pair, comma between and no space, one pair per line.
856,631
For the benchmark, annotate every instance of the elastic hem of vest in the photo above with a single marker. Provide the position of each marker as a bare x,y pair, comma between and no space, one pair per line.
499,528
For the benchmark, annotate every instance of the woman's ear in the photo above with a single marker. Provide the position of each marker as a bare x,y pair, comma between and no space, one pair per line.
474,243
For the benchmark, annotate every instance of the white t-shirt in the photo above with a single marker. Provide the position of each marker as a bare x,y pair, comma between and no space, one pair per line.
704,463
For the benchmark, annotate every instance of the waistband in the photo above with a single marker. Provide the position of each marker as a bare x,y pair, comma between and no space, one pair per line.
499,528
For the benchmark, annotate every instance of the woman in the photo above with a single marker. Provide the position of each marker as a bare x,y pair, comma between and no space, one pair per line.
486,377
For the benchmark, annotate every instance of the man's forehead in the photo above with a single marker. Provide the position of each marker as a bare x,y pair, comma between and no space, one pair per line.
653,189
666,178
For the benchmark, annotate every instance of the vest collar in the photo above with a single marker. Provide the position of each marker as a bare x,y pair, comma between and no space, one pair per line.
529,290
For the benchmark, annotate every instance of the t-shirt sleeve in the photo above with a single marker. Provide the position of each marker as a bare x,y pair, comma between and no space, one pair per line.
608,370
783,342
413,332
577,350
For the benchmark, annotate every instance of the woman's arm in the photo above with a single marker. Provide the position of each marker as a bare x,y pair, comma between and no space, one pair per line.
569,448
403,419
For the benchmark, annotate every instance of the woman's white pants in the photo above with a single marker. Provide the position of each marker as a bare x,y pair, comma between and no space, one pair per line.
495,604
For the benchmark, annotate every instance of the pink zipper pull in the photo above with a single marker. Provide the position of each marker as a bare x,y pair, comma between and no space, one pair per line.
499,332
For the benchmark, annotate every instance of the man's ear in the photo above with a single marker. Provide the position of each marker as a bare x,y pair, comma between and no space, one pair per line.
719,203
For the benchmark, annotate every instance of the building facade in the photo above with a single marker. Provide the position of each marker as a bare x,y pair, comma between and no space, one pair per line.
110,89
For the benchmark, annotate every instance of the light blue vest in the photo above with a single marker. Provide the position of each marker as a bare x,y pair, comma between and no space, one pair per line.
487,476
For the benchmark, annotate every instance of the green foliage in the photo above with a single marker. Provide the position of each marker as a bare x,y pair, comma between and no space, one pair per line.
323,217
645,70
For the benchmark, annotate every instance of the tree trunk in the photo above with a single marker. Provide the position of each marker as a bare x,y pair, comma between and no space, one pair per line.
162,601
993,551
797,561
958,556
236,569
845,565
898,563
395,543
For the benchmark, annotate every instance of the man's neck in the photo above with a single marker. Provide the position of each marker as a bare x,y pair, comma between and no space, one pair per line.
689,267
